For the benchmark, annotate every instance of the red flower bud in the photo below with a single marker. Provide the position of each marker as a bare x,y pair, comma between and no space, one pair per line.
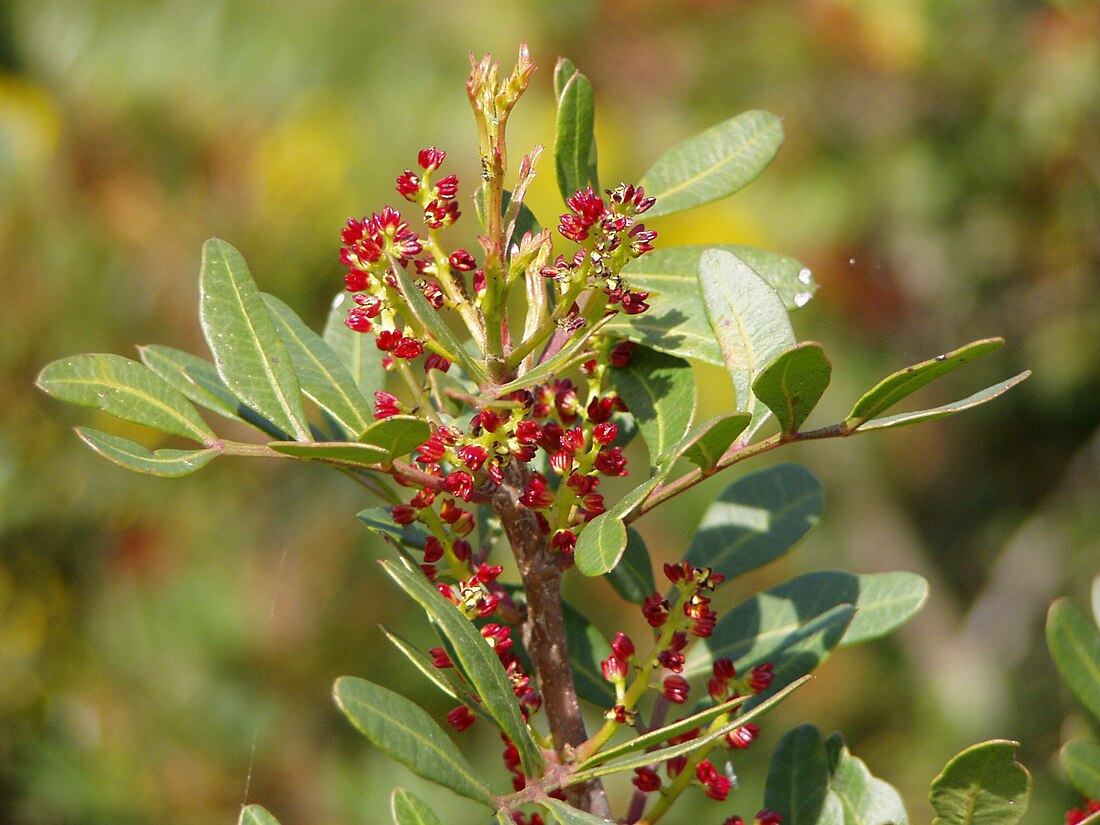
461,718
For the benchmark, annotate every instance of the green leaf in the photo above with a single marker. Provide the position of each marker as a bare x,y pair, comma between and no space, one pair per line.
767,622
893,388
356,350
478,662
400,728
756,519
637,760
676,321
133,456
918,416
248,353
659,390
408,809
587,648
714,164
603,540
575,351
397,435
256,815
198,380
983,785
1081,761
708,442
1096,599
798,779
750,323
379,520
322,375
126,390
337,453
865,799
792,384
575,139
434,324
566,814
1074,644
442,678
632,577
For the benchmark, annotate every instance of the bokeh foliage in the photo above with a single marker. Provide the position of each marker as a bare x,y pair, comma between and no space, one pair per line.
164,644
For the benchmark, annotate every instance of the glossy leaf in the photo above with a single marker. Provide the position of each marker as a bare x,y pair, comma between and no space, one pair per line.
659,390
797,786
587,648
750,323
897,386
637,760
248,353
864,798
397,435
256,815
714,164
792,384
632,577
983,785
756,519
566,814
1074,644
198,380
126,390
769,621
322,375
676,321
575,139
434,324
708,442
400,728
336,453
133,456
1081,761
603,540
356,350
479,664
408,809
918,416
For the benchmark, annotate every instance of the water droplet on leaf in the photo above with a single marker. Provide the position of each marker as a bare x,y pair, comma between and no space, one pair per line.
805,276
802,298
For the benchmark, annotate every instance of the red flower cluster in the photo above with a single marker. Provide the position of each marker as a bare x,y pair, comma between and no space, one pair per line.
1088,808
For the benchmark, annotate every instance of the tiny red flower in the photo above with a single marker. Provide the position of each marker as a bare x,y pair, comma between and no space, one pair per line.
621,354
433,549
436,362
440,658
655,609
564,542
408,348
675,689
605,433
743,736
459,483
611,462
462,261
622,646
646,780
408,185
461,718
761,676
430,159
614,669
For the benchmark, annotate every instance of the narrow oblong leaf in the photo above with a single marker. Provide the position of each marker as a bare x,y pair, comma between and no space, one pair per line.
798,779
480,665
792,384
356,350
708,442
676,321
133,456
336,453
572,353
659,390
1074,644
918,416
400,728
408,809
767,622
126,390
750,323
603,540
1081,761
379,520
198,380
983,784
864,798
397,435
575,156
756,519
450,684
632,577
256,815
322,375
713,164
248,353
897,386
565,814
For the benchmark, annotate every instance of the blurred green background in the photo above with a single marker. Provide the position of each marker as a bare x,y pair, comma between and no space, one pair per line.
167,648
